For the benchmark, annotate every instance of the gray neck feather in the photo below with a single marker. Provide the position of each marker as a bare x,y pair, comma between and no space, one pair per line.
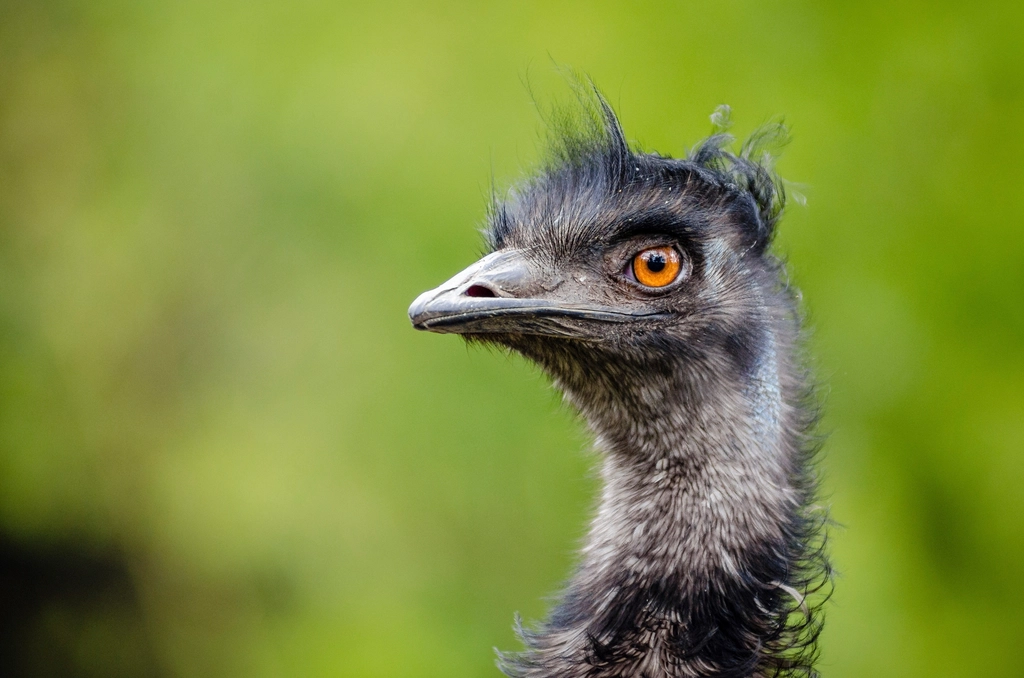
699,477
689,567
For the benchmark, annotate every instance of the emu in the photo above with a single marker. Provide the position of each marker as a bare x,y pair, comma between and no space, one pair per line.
645,287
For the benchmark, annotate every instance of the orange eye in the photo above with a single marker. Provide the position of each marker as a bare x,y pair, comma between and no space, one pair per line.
657,266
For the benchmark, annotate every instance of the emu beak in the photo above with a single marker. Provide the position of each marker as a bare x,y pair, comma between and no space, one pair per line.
504,293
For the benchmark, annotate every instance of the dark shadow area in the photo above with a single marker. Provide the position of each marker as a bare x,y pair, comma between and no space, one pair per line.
69,612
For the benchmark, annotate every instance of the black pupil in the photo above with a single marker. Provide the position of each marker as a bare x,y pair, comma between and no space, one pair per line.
655,262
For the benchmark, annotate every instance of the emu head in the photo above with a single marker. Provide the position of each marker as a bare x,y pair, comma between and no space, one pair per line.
613,267
645,287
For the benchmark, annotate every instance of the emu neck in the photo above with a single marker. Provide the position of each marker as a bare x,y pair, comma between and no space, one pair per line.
695,479
687,566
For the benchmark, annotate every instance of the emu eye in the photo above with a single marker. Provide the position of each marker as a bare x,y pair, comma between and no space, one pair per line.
657,266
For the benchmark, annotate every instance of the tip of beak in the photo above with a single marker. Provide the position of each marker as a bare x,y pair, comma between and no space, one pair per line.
417,310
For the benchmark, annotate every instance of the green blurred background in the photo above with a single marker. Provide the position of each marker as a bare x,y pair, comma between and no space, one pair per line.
225,452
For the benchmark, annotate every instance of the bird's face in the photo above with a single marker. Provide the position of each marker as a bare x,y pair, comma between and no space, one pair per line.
585,295
604,267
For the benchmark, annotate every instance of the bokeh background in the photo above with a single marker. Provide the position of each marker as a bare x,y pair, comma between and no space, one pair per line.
225,452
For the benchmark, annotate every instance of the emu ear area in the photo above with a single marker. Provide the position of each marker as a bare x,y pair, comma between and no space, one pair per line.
754,192
755,228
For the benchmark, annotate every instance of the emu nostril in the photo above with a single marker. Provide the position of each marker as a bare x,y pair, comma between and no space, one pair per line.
479,291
